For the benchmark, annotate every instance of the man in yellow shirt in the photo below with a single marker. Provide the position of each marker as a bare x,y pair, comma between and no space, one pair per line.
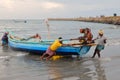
57,43
51,50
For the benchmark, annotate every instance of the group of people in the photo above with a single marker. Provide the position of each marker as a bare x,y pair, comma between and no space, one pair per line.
87,38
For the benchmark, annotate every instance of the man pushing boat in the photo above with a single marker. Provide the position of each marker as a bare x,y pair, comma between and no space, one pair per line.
86,38
52,48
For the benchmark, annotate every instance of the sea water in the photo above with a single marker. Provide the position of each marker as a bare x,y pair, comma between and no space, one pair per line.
18,65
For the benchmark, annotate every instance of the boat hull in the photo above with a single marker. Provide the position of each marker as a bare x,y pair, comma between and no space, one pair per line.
39,48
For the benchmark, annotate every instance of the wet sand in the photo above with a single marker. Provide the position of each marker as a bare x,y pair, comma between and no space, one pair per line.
105,68
22,66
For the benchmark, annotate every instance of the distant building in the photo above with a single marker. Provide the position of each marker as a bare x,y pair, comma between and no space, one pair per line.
114,14
102,16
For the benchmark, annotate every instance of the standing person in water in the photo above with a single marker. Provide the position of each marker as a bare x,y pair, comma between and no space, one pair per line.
84,40
101,41
87,36
5,39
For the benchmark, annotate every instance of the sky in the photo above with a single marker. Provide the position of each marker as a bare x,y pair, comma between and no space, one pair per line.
40,9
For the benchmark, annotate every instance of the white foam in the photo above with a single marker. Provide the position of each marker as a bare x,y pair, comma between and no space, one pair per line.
4,57
20,54
105,59
17,55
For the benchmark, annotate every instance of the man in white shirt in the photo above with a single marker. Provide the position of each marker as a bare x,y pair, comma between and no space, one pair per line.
101,41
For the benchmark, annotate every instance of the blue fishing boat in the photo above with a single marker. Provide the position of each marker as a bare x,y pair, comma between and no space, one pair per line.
39,47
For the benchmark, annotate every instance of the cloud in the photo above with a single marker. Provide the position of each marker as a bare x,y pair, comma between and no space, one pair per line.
51,5
6,3
29,8
88,7
24,4
54,8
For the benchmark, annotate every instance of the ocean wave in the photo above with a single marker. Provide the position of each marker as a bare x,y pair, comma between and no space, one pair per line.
20,54
4,57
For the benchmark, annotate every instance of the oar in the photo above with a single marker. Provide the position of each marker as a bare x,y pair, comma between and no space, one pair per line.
66,40
90,44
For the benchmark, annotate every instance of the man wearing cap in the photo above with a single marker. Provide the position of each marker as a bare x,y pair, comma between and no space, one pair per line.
51,50
101,41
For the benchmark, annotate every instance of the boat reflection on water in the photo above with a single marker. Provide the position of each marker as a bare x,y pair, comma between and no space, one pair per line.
71,69
99,69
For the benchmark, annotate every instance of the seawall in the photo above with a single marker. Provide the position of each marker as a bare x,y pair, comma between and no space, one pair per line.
108,20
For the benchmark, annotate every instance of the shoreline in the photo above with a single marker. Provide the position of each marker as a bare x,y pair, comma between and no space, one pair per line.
107,20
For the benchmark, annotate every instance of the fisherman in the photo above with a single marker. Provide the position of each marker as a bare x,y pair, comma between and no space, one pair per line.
101,41
88,35
86,38
52,48
37,37
5,39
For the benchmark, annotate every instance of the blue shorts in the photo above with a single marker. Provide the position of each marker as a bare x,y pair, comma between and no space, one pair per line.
100,47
